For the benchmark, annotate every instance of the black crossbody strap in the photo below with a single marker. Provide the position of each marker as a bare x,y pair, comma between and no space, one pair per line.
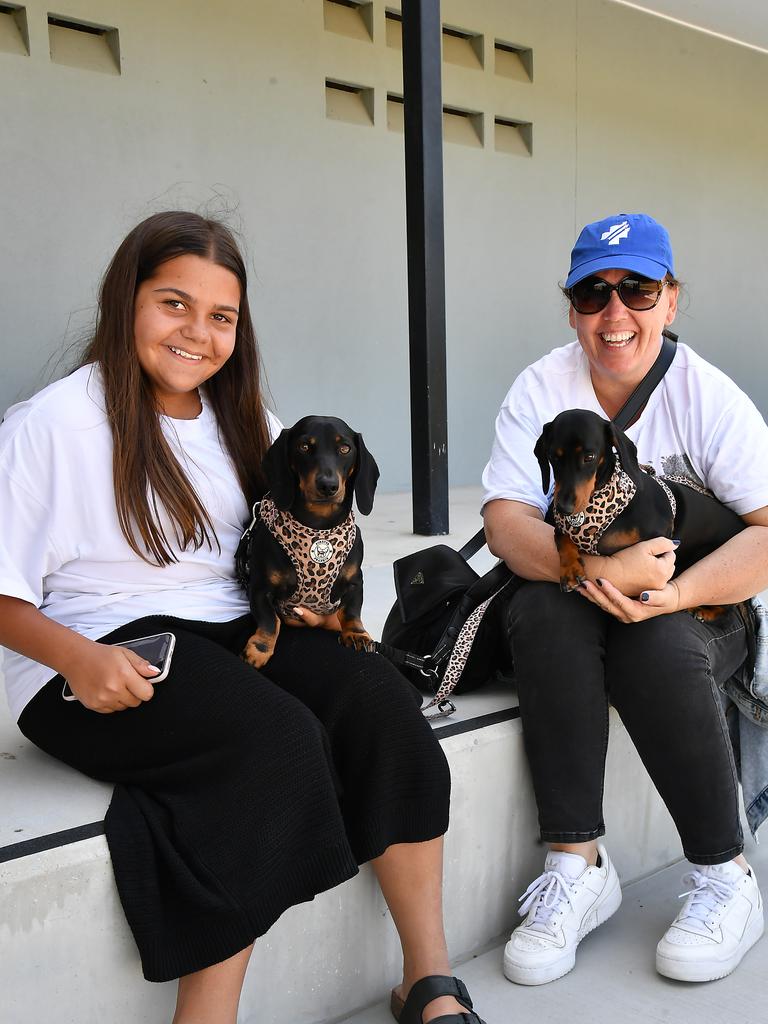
473,545
631,408
623,417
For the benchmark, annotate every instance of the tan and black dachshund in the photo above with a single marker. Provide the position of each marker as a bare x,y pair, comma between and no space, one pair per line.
305,548
582,448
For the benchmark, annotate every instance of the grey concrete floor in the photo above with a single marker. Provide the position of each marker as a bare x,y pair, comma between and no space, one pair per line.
615,981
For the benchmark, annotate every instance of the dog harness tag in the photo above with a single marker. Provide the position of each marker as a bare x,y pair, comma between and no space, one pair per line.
575,520
321,551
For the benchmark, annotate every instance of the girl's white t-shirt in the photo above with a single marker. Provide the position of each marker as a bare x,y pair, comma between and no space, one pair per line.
61,547
697,423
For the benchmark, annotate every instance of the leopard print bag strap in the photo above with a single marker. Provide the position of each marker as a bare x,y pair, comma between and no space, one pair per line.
440,706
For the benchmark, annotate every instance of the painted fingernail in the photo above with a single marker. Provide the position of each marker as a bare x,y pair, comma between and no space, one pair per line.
152,668
675,542
599,582
645,596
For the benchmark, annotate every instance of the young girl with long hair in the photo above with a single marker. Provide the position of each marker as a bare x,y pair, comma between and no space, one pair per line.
124,489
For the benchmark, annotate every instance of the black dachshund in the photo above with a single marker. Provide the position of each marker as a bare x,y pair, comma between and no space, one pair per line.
304,547
604,501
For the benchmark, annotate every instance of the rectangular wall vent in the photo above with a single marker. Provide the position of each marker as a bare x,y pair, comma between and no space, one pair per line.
513,61
514,137
349,18
463,126
347,102
462,47
14,33
83,44
394,27
395,112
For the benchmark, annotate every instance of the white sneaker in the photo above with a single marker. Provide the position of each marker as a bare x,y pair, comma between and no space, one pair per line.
563,905
721,919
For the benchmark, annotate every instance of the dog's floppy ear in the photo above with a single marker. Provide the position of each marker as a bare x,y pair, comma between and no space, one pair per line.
540,451
281,480
366,476
610,441
626,449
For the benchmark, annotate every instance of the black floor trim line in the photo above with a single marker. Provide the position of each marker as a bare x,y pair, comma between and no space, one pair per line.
96,828
457,728
52,841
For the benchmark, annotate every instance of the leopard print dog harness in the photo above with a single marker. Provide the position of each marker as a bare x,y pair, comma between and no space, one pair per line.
317,556
605,505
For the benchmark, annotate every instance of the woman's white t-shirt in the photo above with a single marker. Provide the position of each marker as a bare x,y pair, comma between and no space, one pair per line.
61,547
697,422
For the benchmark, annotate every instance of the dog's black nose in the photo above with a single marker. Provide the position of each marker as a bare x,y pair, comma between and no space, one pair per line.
326,485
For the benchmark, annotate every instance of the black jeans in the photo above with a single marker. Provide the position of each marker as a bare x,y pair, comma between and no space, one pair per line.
662,676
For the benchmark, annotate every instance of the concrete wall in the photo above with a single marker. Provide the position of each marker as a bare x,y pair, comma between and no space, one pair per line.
223,106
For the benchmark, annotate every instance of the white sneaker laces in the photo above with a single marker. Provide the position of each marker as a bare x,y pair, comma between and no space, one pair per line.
708,897
550,890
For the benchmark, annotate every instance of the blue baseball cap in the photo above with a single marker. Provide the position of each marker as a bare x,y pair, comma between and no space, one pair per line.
630,241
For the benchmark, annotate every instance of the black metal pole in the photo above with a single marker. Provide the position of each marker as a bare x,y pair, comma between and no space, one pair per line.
422,97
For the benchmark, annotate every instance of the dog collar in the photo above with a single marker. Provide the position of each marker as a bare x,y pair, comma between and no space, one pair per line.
316,555
605,504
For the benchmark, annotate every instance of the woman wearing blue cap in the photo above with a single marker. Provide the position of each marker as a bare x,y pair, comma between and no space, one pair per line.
628,636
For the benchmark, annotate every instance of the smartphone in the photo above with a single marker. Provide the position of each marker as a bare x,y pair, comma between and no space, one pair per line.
157,650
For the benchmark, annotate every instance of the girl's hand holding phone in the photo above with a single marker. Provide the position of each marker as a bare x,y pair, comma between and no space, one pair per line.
107,679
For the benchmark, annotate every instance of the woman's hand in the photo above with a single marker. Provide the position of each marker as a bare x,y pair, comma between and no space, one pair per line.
107,679
626,609
103,678
645,566
304,617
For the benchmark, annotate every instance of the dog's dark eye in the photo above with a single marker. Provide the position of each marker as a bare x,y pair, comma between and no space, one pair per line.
344,449
304,447
589,456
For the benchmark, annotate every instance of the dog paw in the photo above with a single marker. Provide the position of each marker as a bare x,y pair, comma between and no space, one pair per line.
709,613
359,641
570,583
257,653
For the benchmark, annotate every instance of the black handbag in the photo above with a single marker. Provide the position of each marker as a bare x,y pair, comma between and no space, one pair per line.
445,631
438,593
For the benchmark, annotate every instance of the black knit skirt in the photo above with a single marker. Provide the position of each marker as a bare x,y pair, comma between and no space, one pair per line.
239,794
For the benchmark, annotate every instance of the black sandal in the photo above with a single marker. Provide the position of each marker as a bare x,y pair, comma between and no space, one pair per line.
424,991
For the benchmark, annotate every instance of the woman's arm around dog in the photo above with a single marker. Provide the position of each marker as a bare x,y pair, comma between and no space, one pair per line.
735,572
517,534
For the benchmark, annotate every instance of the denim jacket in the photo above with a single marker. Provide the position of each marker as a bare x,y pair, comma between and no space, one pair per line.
746,705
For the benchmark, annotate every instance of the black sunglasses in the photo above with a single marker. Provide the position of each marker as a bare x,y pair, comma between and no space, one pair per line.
636,292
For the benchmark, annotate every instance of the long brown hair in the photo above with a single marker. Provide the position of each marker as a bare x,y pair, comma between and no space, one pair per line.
146,474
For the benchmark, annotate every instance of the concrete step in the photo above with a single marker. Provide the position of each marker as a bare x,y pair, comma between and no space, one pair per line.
68,956
615,981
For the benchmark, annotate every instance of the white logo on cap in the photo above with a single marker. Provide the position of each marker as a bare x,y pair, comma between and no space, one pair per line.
615,233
